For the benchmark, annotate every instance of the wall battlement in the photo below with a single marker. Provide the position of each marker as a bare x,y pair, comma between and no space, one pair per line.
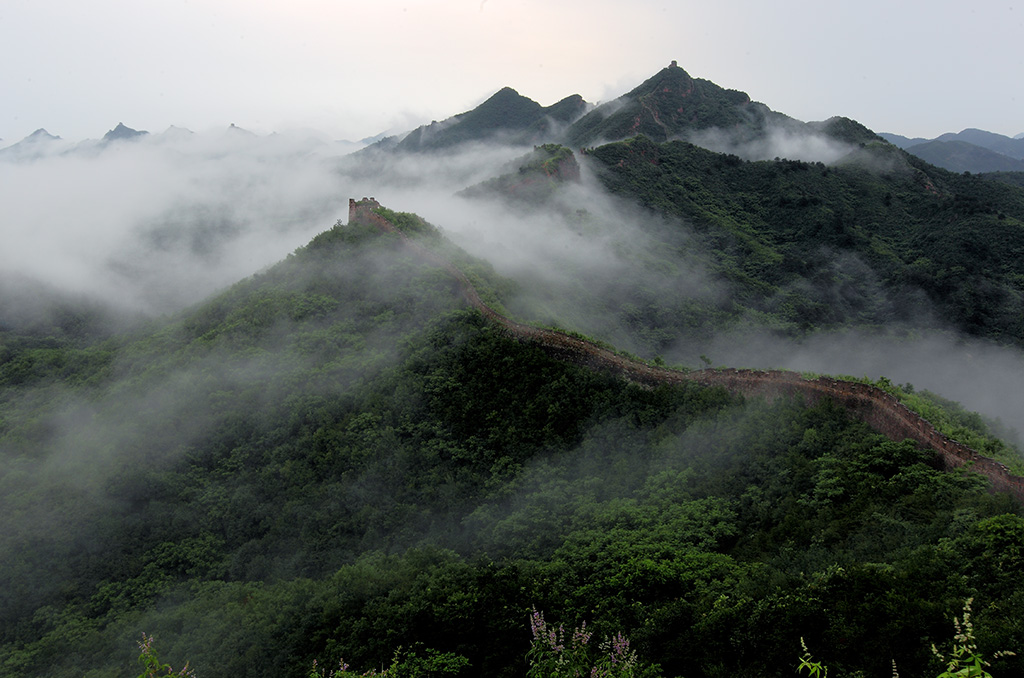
877,408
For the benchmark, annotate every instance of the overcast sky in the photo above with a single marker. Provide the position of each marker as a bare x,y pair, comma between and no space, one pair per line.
354,69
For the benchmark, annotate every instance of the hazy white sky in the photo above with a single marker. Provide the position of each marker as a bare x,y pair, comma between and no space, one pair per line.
353,69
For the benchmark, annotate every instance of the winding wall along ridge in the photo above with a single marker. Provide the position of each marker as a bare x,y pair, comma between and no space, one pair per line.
879,409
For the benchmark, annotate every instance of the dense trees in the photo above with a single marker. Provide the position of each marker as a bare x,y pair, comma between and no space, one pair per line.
854,243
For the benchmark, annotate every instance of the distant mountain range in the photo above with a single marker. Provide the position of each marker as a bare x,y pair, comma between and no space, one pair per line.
972,150
775,197
41,143
508,114
671,105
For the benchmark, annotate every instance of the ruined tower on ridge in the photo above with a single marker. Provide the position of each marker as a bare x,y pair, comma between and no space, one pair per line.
365,212
361,210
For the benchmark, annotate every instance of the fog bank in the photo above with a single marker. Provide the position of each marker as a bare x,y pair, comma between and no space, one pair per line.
152,224
982,376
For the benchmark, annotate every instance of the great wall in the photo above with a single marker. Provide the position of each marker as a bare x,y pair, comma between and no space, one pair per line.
872,405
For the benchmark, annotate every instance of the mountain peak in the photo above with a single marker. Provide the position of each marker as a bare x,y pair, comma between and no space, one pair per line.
504,112
506,92
122,132
669,78
845,129
568,110
37,144
40,135
240,131
506,101
668,104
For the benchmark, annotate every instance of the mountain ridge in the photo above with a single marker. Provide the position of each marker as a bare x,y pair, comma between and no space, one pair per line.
878,408
962,156
663,106
970,150
669,105
507,113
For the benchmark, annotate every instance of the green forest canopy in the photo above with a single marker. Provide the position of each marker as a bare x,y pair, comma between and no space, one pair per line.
335,459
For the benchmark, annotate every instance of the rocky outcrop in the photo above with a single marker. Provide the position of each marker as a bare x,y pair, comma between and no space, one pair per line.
872,405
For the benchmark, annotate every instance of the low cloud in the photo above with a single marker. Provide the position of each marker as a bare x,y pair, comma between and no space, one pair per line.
982,376
576,257
791,142
556,260
158,223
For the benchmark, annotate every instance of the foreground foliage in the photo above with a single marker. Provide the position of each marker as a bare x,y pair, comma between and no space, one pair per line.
964,659
153,667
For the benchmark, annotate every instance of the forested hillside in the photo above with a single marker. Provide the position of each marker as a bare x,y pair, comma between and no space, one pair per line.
336,458
732,240
916,228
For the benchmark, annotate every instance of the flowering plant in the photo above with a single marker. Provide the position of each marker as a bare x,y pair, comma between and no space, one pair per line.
404,664
151,665
556,654
964,660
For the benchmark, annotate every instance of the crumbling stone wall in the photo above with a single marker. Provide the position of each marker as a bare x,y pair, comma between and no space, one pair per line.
872,405
363,211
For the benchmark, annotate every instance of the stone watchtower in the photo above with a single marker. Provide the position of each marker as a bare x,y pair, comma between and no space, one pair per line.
360,210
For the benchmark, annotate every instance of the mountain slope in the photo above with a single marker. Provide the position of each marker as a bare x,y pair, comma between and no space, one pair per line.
871,404
769,224
668,105
505,117
249,412
997,143
971,150
902,141
537,176
961,156
35,145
